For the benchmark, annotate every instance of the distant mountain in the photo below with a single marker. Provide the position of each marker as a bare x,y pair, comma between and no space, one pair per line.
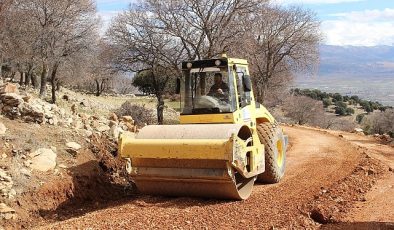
356,61
364,71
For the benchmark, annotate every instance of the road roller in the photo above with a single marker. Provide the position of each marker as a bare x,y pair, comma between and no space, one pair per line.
225,141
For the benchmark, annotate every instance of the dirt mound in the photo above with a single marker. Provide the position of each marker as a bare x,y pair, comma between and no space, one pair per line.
92,184
330,205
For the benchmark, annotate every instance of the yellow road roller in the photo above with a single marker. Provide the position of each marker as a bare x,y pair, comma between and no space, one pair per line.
224,143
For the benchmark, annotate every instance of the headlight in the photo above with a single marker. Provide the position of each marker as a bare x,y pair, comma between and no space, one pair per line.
189,65
218,62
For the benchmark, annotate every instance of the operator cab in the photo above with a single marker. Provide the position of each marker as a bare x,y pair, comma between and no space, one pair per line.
207,87
213,87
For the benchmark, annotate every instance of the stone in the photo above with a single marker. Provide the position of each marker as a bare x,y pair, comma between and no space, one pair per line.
88,133
7,212
128,119
358,130
44,160
103,128
77,124
12,193
320,215
131,127
25,171
9,88
66,97
74,109
113,117
3,129
115,132
26,99
11,99
113,123
4,176
62,166
73,145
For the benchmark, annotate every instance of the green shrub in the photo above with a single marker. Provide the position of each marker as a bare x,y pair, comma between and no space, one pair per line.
341,111
349,111
360,117
327,102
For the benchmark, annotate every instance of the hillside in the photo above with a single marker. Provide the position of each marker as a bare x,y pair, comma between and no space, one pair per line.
367,72
371,62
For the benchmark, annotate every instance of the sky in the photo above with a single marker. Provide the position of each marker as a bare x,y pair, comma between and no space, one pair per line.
343,22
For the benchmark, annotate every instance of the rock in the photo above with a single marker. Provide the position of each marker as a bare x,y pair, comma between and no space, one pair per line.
26,99
371,172
113,117
6,212
77,124
73,145
320,215
66,97
128,119
62,166
113,123
12,193
130,127
3,129
9,88
4,176
11,99
103,128
88,133
32,113
340,135
25,171
385,137
27,163
74,109
115,132
358,130
43,160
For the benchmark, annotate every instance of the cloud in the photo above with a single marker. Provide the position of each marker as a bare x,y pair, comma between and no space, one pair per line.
363,28
368,15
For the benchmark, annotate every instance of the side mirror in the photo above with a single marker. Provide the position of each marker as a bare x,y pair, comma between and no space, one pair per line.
178,86
247,83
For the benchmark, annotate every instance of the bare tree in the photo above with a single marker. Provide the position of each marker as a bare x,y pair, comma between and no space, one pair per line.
380,122
303,109
63,28
204,28
138,46
280,42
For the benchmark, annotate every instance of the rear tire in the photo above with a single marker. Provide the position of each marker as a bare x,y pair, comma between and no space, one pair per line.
271,136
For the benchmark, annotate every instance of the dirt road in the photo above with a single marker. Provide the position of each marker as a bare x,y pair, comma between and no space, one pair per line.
318,163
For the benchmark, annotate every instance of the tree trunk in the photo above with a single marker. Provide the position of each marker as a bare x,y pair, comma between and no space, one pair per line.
160,109
44,75
1,66
58,85
98,91
54,81
22,79
34,81
28,75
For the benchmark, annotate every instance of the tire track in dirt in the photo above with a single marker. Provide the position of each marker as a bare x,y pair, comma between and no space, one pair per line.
315,160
